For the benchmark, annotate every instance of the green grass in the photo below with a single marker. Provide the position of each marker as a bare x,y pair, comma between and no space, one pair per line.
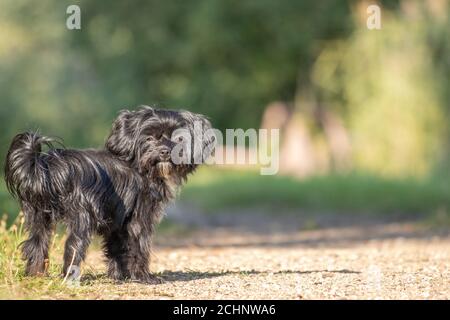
214,190
13,282
95,284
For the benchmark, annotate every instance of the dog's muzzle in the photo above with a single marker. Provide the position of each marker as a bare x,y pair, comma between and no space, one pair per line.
164,154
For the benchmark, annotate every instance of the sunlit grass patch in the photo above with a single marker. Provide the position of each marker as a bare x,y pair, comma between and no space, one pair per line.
13,282
94,282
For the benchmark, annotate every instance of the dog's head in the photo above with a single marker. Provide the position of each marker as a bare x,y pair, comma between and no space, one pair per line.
162,142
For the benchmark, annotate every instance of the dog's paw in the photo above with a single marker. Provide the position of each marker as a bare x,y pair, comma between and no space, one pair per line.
72,274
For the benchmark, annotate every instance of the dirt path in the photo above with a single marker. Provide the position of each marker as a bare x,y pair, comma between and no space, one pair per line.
383,261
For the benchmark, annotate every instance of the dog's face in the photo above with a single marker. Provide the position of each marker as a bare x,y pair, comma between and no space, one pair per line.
159,141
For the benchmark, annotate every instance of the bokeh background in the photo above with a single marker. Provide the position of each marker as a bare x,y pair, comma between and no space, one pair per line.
363,114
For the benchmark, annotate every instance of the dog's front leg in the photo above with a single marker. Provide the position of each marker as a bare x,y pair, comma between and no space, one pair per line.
115,248
138,255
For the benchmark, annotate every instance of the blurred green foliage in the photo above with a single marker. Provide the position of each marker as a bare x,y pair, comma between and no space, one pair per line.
228,60
387,88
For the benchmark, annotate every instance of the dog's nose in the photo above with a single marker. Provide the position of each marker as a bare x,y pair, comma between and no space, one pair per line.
164,154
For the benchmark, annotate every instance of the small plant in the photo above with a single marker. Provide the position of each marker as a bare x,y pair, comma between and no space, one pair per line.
10,239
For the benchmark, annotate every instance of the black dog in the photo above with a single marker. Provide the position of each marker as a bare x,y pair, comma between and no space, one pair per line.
119,192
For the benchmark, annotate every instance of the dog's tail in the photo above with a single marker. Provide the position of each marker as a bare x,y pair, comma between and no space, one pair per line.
25,165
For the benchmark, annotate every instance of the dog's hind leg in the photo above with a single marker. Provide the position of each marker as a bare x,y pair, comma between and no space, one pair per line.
80,232
35,248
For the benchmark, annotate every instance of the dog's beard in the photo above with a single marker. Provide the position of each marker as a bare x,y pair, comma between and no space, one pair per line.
167,172
164,169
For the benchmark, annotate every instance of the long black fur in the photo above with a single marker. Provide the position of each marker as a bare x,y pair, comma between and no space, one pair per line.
118,192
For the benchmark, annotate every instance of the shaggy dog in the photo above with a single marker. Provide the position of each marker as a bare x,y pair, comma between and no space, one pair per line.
118,192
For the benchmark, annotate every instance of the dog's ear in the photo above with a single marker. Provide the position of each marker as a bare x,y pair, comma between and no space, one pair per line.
122,139
191,118
200,128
